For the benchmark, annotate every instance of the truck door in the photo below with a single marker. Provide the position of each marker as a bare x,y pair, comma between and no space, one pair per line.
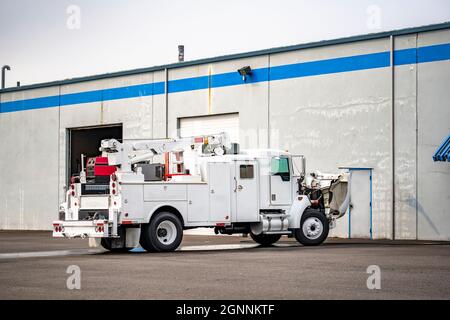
280,181
246,190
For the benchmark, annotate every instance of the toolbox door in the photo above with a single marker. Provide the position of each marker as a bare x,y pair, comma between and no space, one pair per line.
246,186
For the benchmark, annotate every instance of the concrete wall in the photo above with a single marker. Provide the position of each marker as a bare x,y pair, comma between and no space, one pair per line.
29,164
433,125
334,118
340,119
405,85
136,114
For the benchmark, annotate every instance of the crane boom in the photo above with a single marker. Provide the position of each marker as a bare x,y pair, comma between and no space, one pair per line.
127,153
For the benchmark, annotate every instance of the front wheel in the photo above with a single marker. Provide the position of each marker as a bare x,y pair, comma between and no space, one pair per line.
163,233
313,229
265,239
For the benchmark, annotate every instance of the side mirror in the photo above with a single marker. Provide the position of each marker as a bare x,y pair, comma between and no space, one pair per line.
303,166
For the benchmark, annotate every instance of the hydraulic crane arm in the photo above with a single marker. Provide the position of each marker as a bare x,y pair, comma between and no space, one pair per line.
127,153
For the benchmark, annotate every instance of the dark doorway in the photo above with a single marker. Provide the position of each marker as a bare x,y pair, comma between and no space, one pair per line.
87,141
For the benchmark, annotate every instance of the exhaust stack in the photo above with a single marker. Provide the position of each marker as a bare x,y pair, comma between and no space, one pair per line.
181,53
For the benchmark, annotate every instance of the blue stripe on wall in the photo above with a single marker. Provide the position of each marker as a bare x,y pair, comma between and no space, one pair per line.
29,104
81,97
303,69
405,56
188,84
434,53
346,64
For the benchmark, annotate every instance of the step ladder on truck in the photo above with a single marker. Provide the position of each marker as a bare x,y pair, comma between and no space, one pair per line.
146,192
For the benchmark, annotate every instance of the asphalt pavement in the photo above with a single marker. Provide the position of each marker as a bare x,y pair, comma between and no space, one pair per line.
34,266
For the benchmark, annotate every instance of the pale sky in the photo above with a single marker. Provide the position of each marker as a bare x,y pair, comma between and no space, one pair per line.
42,42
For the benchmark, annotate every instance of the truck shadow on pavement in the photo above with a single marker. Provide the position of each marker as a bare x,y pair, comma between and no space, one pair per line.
250,246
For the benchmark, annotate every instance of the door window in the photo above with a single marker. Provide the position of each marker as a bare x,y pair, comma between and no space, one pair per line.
279,166
246,171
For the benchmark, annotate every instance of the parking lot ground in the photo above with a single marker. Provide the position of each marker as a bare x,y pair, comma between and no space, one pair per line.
33,266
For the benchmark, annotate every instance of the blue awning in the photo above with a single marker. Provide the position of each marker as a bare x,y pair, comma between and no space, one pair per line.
443,151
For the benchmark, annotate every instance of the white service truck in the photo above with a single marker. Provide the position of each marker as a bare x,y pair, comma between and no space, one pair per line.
146,192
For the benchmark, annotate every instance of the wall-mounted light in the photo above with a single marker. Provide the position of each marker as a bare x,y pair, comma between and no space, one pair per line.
245,71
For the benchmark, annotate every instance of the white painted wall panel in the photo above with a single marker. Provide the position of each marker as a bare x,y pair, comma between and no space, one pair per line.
405,143
29,164
433,201
339,120
136,114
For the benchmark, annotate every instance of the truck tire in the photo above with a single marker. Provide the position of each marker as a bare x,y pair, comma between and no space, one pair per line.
265,239
313,229
163,233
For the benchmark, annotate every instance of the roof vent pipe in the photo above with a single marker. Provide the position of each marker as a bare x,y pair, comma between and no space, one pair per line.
4,68
181,53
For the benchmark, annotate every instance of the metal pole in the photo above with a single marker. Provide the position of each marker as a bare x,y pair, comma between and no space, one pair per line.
393,132
4,68
166,95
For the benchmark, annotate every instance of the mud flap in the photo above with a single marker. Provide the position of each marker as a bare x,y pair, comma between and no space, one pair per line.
94,242
132,237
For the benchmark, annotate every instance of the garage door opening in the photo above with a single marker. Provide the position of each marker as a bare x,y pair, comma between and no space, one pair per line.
86,141
203,125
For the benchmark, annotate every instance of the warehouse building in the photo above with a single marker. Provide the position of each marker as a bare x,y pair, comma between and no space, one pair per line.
378,103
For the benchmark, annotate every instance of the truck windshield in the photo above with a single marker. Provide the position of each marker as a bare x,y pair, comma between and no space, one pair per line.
279,166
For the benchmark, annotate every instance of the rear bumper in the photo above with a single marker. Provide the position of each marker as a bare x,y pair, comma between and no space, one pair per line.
81,229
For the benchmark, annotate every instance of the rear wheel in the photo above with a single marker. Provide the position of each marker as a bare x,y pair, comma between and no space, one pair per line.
163,233
265,239
313,229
